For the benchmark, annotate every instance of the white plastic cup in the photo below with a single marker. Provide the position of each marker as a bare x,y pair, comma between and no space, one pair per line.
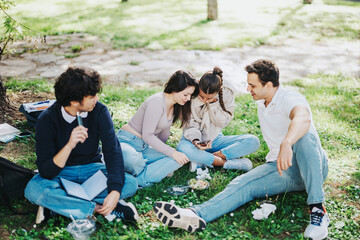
81,229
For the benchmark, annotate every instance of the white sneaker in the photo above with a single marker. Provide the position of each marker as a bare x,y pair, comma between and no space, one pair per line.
318,227
176,217
239,164
193,166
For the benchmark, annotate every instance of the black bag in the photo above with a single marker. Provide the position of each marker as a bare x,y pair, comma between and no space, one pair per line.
13,180
30,117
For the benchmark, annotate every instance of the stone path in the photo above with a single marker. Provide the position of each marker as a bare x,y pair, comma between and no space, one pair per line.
295,58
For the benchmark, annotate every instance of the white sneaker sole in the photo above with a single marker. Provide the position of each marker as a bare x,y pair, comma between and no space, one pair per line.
168,214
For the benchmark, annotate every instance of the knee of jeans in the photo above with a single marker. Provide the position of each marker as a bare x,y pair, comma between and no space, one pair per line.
183,146
307,140
29,193
36,190
254,142
134,162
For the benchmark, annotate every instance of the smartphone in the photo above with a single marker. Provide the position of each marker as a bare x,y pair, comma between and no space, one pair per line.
204,143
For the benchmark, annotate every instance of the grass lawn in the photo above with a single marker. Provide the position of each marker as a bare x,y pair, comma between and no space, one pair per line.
173,24
335,103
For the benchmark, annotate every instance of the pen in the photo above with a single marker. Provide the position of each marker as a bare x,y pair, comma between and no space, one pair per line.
79,119
47,101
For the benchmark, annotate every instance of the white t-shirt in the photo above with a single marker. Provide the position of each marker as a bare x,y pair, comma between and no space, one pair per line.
274,119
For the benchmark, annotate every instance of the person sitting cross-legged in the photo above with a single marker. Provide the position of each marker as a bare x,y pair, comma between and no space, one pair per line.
211,111
69,150
296,160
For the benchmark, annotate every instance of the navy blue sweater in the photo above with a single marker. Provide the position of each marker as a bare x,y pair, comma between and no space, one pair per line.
53,133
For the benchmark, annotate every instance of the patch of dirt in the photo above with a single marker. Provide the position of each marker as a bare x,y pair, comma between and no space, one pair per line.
150,216
4,233
12,115
15,149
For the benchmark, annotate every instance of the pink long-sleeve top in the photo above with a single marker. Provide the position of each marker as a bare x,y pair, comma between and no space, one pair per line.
151,122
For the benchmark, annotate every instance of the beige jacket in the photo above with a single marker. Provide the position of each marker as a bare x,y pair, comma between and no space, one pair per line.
208,119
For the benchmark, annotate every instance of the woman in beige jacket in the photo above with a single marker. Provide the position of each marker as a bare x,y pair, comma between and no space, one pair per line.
203,141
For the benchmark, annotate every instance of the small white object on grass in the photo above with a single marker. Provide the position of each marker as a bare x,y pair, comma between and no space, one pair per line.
110,217
264,211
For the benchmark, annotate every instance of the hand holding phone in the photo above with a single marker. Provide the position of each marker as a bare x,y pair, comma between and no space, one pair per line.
203,143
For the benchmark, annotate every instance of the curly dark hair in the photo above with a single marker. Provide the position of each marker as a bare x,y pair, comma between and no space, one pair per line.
75,84
177,83
266,70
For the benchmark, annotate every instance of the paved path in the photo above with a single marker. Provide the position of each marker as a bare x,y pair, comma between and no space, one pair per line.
295,58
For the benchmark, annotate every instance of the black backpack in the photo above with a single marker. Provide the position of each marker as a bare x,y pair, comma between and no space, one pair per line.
13,180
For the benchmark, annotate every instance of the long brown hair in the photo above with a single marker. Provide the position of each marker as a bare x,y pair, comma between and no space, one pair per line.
177,83
212,82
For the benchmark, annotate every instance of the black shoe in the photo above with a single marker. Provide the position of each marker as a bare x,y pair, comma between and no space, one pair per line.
126,211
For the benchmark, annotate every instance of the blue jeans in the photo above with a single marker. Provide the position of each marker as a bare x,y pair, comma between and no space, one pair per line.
232,147
308,172
50,194
147,164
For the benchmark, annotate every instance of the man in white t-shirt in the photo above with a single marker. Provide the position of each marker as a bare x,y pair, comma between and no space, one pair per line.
296,161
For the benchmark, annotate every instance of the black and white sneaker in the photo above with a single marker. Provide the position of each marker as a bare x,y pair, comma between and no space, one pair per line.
176,217
126,211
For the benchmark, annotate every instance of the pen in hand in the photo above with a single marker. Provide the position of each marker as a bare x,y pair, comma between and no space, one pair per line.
79,119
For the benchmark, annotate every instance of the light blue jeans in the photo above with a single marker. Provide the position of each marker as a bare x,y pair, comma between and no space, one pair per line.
233,147
50,194
308,172
147,164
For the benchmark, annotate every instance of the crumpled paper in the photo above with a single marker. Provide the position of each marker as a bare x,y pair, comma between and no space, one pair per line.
202,174
264,211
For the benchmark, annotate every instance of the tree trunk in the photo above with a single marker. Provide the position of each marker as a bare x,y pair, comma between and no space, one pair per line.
4,102
212,10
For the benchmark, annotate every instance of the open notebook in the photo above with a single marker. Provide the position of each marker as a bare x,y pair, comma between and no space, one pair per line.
89,189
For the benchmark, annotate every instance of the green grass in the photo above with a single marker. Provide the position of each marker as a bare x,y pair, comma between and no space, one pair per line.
352,3
335,103
173,24
319,23
35,86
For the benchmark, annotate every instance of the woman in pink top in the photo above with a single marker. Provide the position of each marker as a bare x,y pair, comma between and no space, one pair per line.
143,139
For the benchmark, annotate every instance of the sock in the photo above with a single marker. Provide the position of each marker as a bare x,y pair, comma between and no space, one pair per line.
318,205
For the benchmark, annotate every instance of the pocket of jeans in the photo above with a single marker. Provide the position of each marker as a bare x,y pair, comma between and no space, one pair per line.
125,136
